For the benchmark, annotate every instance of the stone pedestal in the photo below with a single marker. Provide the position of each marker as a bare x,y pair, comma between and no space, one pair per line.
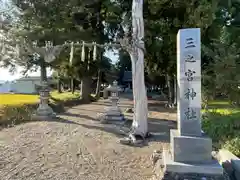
190,151
190,158
184,162
189,171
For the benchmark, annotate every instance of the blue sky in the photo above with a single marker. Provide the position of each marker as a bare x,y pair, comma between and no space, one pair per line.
6,76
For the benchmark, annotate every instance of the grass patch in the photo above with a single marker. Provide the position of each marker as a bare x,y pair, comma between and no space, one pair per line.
20,99
17,99
18,108
222,124
223,107
65,96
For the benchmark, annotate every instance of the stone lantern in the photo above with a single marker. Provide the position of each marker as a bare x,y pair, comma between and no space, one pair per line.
114,90
44,110
112,112
49,53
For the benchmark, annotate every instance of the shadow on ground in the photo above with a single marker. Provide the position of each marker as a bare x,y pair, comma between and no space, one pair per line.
159,129
81,116
160,107
153,105
85,109
14,115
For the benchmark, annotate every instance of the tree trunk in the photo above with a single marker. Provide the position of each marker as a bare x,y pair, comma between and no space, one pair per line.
98,83
43,70
72,86
85,89
170,91
140,122
175,90
59,85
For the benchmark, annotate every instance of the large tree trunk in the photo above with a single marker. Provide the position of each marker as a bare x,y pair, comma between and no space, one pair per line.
140,122
170,90
43,70
72,86
98,83
59,85
175,90
85,89
86,80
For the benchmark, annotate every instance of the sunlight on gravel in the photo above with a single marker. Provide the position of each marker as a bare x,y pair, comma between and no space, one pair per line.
82,149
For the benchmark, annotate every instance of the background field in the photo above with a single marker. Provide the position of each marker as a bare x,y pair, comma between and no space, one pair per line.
19,99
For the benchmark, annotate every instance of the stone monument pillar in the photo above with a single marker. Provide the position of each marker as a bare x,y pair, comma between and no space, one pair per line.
190,150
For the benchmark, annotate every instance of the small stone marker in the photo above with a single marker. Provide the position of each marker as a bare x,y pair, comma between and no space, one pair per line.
190,151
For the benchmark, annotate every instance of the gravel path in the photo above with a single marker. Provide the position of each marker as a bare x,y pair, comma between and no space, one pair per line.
78,147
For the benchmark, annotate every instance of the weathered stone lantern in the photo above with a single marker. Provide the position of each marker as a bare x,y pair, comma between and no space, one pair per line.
49,53
112,112
114,90
44,110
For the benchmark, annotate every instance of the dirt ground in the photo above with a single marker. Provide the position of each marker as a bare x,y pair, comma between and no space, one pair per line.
78,147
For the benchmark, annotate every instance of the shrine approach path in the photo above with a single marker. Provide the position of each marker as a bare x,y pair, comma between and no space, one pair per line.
77,147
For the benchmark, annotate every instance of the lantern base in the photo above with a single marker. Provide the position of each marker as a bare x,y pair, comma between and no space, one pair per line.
106,118
113,111
44,112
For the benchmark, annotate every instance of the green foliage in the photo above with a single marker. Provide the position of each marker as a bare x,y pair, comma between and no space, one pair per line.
101,21
19,113
221,53
224,129
221,126
11,115
163,20
223,73
233,145
61,21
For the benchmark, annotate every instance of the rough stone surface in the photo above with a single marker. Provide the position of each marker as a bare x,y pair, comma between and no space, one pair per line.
236,168
171,166
115,117
192,176
49,117
189,81
105,118
230,162
190,149
162,173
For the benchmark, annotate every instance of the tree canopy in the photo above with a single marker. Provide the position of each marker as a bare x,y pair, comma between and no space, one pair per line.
104,21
